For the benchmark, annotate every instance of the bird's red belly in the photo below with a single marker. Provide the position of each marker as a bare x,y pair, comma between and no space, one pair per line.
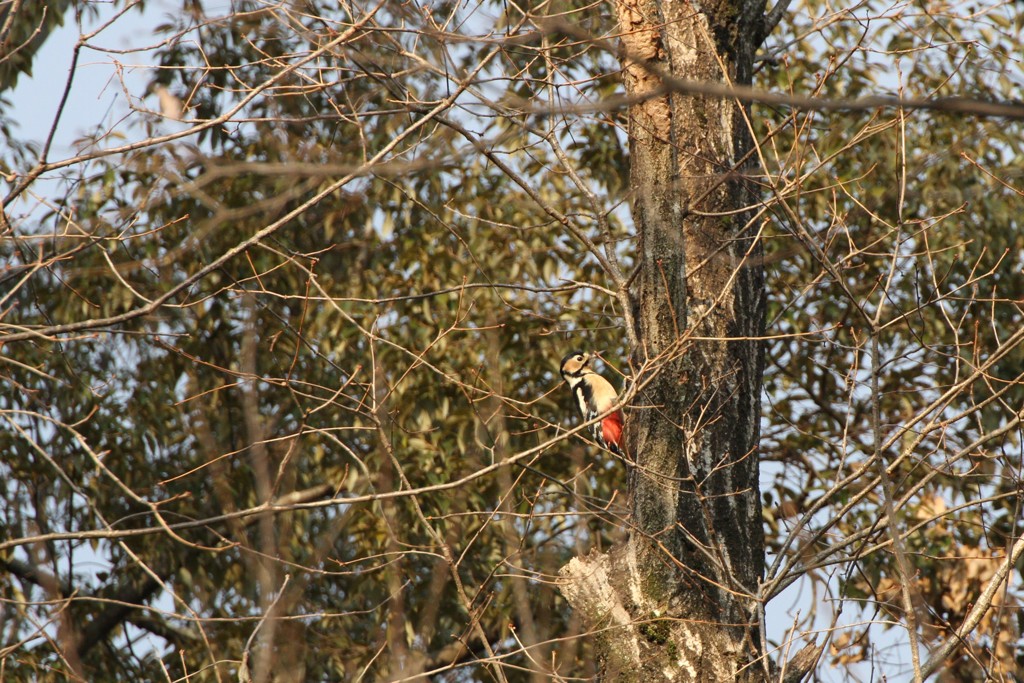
611,429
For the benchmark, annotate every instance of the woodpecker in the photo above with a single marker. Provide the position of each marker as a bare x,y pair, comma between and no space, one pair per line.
594,396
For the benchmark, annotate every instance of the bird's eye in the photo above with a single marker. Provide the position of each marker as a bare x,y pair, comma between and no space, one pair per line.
580,358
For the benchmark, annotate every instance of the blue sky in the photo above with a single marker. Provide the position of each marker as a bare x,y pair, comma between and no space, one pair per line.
96,95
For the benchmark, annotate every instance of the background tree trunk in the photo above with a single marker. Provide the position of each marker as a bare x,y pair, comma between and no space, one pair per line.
680,598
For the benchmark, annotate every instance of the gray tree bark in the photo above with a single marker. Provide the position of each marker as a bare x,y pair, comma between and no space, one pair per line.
679,600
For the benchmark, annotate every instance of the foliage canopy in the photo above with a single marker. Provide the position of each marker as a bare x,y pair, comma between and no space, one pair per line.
343,281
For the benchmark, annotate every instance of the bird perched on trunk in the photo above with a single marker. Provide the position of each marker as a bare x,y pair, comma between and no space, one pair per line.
594,396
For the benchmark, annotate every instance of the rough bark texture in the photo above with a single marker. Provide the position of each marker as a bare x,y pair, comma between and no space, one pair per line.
678,601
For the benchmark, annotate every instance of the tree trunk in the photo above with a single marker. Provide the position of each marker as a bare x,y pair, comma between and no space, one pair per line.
678,601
